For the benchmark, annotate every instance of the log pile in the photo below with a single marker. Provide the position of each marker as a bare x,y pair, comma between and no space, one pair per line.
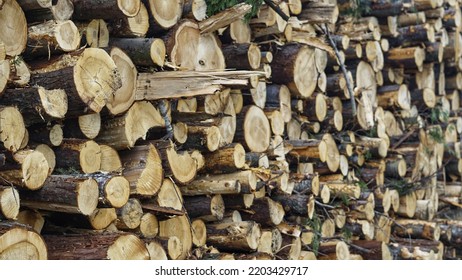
147,130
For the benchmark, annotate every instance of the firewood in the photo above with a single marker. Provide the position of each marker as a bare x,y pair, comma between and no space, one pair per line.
136,26
265,211
238,32
237,236
228,159
181,228
143,52
90,9
52,37
288,64
96,247
64,193
31,218
9,202
15,37
17,238
195,9
81,93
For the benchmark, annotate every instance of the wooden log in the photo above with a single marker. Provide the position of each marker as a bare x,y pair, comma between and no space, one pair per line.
148,52
178,164
334,250
91,9
83,93
129,215
95,33
52,37
112,246
228,159
122,132
64,193
417,229
181,228
236,237
242,56
142,167
206,208
37,104
15,37
278,96
12,128
49,135
231,183
289,63
265,211
203,138
9,202
20,242
237,32
371,250
135,26
253,140
114,191
412,57
164,15
295,204
31,173
80,155
85,126
123,98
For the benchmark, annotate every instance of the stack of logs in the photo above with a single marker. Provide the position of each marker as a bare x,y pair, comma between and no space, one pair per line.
149,130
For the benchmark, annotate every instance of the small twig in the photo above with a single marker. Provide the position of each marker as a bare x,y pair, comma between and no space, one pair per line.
325,29
168,123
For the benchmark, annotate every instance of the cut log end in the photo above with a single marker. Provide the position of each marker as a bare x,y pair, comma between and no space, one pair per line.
20,243
15,36
9,202
123,97
94,85
130,8
87,196
12,128
257,130
128,247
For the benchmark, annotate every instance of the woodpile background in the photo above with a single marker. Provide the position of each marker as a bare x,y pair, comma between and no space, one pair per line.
148,130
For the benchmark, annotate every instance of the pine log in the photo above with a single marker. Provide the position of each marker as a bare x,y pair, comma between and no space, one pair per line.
81,155
51,135
31,218
123,98
165,14
31,173
224,18
238,32
371,250
20,242
411,57
122,132
203,138
232,183
181,228
136,26
278,96
83,93
196,9
206,208
52,37
12,128
95,33
253,139
113,190
142,167
142,51
242,56
199,233
178,164
228,159
91,9
264,211
129,215
416,229
292,62
37,104
112,246
85,126
9,202
236,237
14,37
64,193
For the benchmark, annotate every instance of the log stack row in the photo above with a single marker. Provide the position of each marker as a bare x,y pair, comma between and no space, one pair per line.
151,130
